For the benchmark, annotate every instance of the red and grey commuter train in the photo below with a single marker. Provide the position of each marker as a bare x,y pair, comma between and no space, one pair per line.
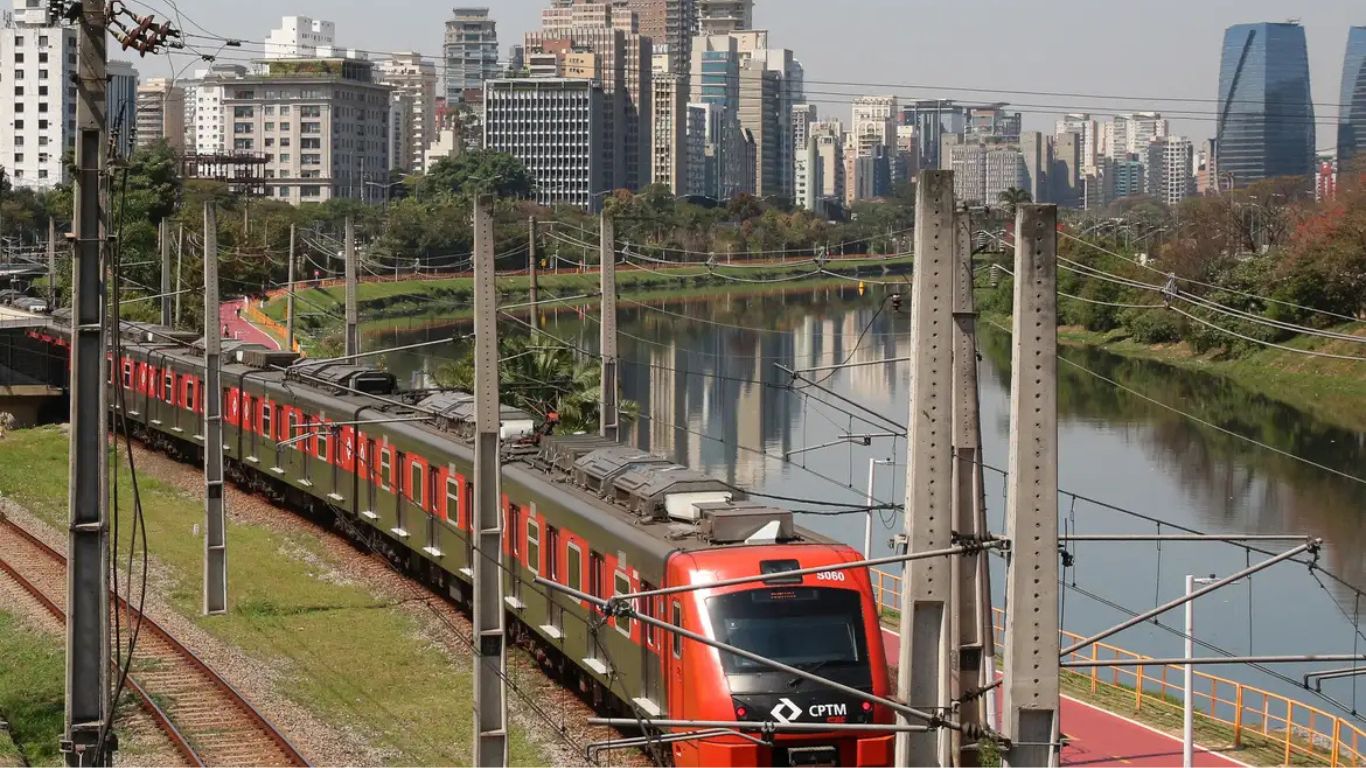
596,516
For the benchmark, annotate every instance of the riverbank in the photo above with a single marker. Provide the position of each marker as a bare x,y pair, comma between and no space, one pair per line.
442,301
1332,391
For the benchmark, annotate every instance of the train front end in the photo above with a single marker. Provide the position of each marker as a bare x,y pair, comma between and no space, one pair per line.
824,623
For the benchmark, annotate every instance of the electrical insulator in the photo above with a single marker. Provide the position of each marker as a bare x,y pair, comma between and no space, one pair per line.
896,302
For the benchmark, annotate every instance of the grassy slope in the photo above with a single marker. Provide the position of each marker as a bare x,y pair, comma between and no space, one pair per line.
343,655
1333,391
31,678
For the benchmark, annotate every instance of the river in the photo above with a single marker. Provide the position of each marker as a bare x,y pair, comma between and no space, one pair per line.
704,376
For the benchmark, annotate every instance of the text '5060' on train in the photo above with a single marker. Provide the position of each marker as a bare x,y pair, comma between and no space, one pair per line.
395,469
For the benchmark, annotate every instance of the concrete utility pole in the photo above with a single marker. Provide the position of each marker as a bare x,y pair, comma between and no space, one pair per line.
352,317
167,300
924,662
534,290
51,264
490,657
215,522
607,267
289,298
87,578
970,615
179,262
1031,656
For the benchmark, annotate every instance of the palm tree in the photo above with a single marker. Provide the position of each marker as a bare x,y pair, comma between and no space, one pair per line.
1012,198
541,377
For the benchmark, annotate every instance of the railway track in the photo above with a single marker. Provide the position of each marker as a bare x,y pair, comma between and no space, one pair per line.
207,721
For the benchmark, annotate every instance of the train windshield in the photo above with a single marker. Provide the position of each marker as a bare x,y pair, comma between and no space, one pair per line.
803,627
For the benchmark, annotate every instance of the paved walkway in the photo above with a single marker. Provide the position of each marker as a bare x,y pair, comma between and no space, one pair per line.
235,327
1096,737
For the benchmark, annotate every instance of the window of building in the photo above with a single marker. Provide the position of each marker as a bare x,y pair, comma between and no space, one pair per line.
284,141
18,57
311,143
310,190
19,107
270,126
311,159
42,106
310,128
285,157
18,90
42,57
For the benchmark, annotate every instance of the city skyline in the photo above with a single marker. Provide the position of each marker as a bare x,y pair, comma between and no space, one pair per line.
895,53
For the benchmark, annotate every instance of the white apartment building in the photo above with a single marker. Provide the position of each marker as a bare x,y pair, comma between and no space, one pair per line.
160,113
204,124
669,132
324,134
554,127
301,37
414,77
981,172
1170,161
1088,129
37,98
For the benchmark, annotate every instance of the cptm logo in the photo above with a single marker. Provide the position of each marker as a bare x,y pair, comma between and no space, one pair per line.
787,711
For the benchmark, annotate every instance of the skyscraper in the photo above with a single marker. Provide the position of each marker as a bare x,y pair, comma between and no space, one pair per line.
160,113
719,17
410,74
1266,117
470,50
1169,168
1352,126
552,125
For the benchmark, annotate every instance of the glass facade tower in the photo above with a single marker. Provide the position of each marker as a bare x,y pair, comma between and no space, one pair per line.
1266,116
1352,126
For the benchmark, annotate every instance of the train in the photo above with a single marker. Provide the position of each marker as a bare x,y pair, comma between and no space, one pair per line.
394,469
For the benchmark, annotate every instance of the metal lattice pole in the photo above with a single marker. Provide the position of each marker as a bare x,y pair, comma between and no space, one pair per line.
215,520
923,664
1031,654
971,608
289,298
490,659
87,579
51,264
167,300
534,288
607,266
179,262
352,315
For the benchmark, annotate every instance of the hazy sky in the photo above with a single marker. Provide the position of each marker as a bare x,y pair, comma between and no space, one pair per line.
1157,48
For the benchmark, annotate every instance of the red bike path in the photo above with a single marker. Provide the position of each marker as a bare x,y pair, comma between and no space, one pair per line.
1098,737
234,327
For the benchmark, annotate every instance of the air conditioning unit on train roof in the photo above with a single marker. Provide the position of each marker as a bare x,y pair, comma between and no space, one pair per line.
660,492
266,359
561,452
597,470
729,523
456,409
347,377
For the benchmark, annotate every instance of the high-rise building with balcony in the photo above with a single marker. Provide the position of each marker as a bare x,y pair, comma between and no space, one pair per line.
38,107
322,125
1266,117
414,79
720,17
160,113
1352,125
1170,164
470,51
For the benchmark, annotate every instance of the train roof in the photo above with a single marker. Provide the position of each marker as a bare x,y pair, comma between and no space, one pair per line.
647,497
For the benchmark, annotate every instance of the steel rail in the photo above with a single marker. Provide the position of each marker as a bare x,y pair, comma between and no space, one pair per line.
253,715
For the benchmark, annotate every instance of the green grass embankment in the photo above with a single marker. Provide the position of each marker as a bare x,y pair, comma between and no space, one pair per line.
31,690
354,661
1330,390
448,299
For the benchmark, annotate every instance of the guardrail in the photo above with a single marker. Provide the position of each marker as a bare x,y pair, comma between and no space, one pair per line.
256,317
1250,713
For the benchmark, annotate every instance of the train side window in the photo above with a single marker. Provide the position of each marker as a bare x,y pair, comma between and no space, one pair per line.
621,585
324,432
169,387
266,407
294,426
533,544
189,394
594,574
677,622
573,561
385,475
418,484
453,501
127,374
552,553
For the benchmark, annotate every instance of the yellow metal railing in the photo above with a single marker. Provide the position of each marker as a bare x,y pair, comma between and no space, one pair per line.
1304,730
260,319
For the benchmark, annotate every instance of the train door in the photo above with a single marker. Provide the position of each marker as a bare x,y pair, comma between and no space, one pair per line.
515,525
554,612
595,588
652,688
674,641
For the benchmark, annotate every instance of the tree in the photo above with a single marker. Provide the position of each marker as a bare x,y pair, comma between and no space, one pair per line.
480,171
1013,197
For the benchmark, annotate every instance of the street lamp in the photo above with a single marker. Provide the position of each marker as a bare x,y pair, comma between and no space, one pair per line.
868,521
